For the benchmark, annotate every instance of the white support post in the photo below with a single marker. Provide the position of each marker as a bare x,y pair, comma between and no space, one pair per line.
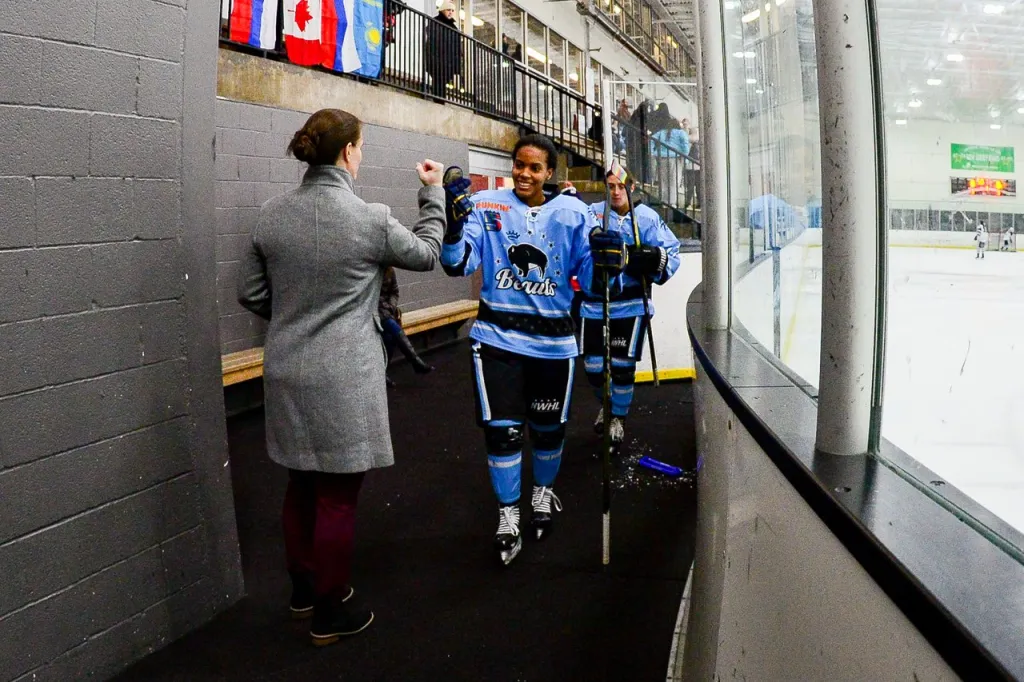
851,145
715,208
606,124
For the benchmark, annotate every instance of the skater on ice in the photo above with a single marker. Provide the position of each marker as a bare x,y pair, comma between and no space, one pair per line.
528,244
980,238
1007,240
654,260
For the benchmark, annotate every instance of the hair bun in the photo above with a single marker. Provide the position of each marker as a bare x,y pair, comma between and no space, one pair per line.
303,147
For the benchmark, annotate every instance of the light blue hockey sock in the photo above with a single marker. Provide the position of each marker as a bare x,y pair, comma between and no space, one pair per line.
506,472
546,462
593,365
622,393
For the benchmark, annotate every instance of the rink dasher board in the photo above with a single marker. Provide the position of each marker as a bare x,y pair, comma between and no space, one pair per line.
671,340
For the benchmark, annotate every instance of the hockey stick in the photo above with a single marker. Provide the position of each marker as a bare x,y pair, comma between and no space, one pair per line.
606,406
643,285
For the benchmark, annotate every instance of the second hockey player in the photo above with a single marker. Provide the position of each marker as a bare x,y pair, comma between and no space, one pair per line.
654,260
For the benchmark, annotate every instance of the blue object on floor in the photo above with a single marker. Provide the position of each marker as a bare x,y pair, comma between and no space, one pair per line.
654,464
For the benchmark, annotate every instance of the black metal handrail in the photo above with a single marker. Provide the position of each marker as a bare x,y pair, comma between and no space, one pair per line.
428,57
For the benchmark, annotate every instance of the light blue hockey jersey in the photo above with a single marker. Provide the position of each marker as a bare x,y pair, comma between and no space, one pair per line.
528,257
628,302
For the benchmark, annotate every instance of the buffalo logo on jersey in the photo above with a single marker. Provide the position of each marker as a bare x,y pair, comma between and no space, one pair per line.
526,258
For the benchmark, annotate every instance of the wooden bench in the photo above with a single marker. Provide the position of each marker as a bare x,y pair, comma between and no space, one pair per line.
248,364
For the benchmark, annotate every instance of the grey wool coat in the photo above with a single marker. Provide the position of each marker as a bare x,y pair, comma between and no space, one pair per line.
314,270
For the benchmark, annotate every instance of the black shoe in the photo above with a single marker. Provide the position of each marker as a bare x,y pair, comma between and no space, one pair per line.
304,599
421,367
334,619
418,365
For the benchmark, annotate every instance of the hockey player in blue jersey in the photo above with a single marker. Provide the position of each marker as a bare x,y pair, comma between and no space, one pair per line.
656,259
528,245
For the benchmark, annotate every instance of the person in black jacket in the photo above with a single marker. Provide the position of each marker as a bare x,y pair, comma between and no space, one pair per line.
442,49
391,320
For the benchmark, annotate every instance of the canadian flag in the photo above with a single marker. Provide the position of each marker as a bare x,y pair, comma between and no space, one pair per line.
303,23
317,32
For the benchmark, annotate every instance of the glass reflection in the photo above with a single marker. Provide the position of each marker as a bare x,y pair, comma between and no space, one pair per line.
775,179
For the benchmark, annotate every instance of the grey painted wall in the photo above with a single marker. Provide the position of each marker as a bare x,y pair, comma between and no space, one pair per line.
252,166
117,529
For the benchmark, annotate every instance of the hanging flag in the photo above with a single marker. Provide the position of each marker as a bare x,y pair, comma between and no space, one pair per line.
368,30
303,20
254,22
322,32
339,43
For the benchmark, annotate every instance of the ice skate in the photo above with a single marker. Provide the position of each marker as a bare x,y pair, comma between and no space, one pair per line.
543,499
617,431
508,541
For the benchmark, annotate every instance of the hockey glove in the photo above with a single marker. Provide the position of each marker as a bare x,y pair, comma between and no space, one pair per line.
608,251
458,204
645,261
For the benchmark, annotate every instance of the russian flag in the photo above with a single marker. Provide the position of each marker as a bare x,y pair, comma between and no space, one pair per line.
254,22
316,32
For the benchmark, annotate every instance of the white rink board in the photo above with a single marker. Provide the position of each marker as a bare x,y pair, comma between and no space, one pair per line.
671,341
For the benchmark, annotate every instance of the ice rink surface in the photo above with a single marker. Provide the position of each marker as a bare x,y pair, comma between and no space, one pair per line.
954,391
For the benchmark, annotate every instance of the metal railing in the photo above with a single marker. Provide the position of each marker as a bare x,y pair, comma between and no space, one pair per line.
426,56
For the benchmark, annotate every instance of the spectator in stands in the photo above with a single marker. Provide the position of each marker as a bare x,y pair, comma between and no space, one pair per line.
313,269
511,48
691,198
669,146
391,319
442,49
621,121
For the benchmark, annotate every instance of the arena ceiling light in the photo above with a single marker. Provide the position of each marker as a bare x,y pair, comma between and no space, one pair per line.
954,57
995,126
1021,110
914,103
751,81
994,113
934,81
900,121
751,16
993,9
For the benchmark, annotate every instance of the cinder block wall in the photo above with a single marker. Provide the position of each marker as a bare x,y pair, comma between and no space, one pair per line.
252,166
117,530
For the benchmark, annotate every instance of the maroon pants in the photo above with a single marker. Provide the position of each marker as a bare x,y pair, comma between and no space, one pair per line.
319,527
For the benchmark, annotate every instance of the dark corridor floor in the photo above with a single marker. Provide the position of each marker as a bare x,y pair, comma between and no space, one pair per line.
445,609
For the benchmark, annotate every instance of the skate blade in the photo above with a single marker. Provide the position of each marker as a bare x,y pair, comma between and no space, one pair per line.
508,555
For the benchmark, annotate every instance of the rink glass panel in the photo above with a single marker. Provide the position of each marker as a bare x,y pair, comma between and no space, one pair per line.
954,360
775,180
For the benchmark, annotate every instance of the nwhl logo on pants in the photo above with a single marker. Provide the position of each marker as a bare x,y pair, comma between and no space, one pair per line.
545,406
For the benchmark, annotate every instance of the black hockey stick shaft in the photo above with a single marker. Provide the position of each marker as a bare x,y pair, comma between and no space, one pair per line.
643,286
606,407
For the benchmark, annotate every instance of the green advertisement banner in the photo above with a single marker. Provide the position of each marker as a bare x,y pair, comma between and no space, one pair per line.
976,157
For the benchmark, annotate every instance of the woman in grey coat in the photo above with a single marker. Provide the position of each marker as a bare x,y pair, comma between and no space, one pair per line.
314,270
